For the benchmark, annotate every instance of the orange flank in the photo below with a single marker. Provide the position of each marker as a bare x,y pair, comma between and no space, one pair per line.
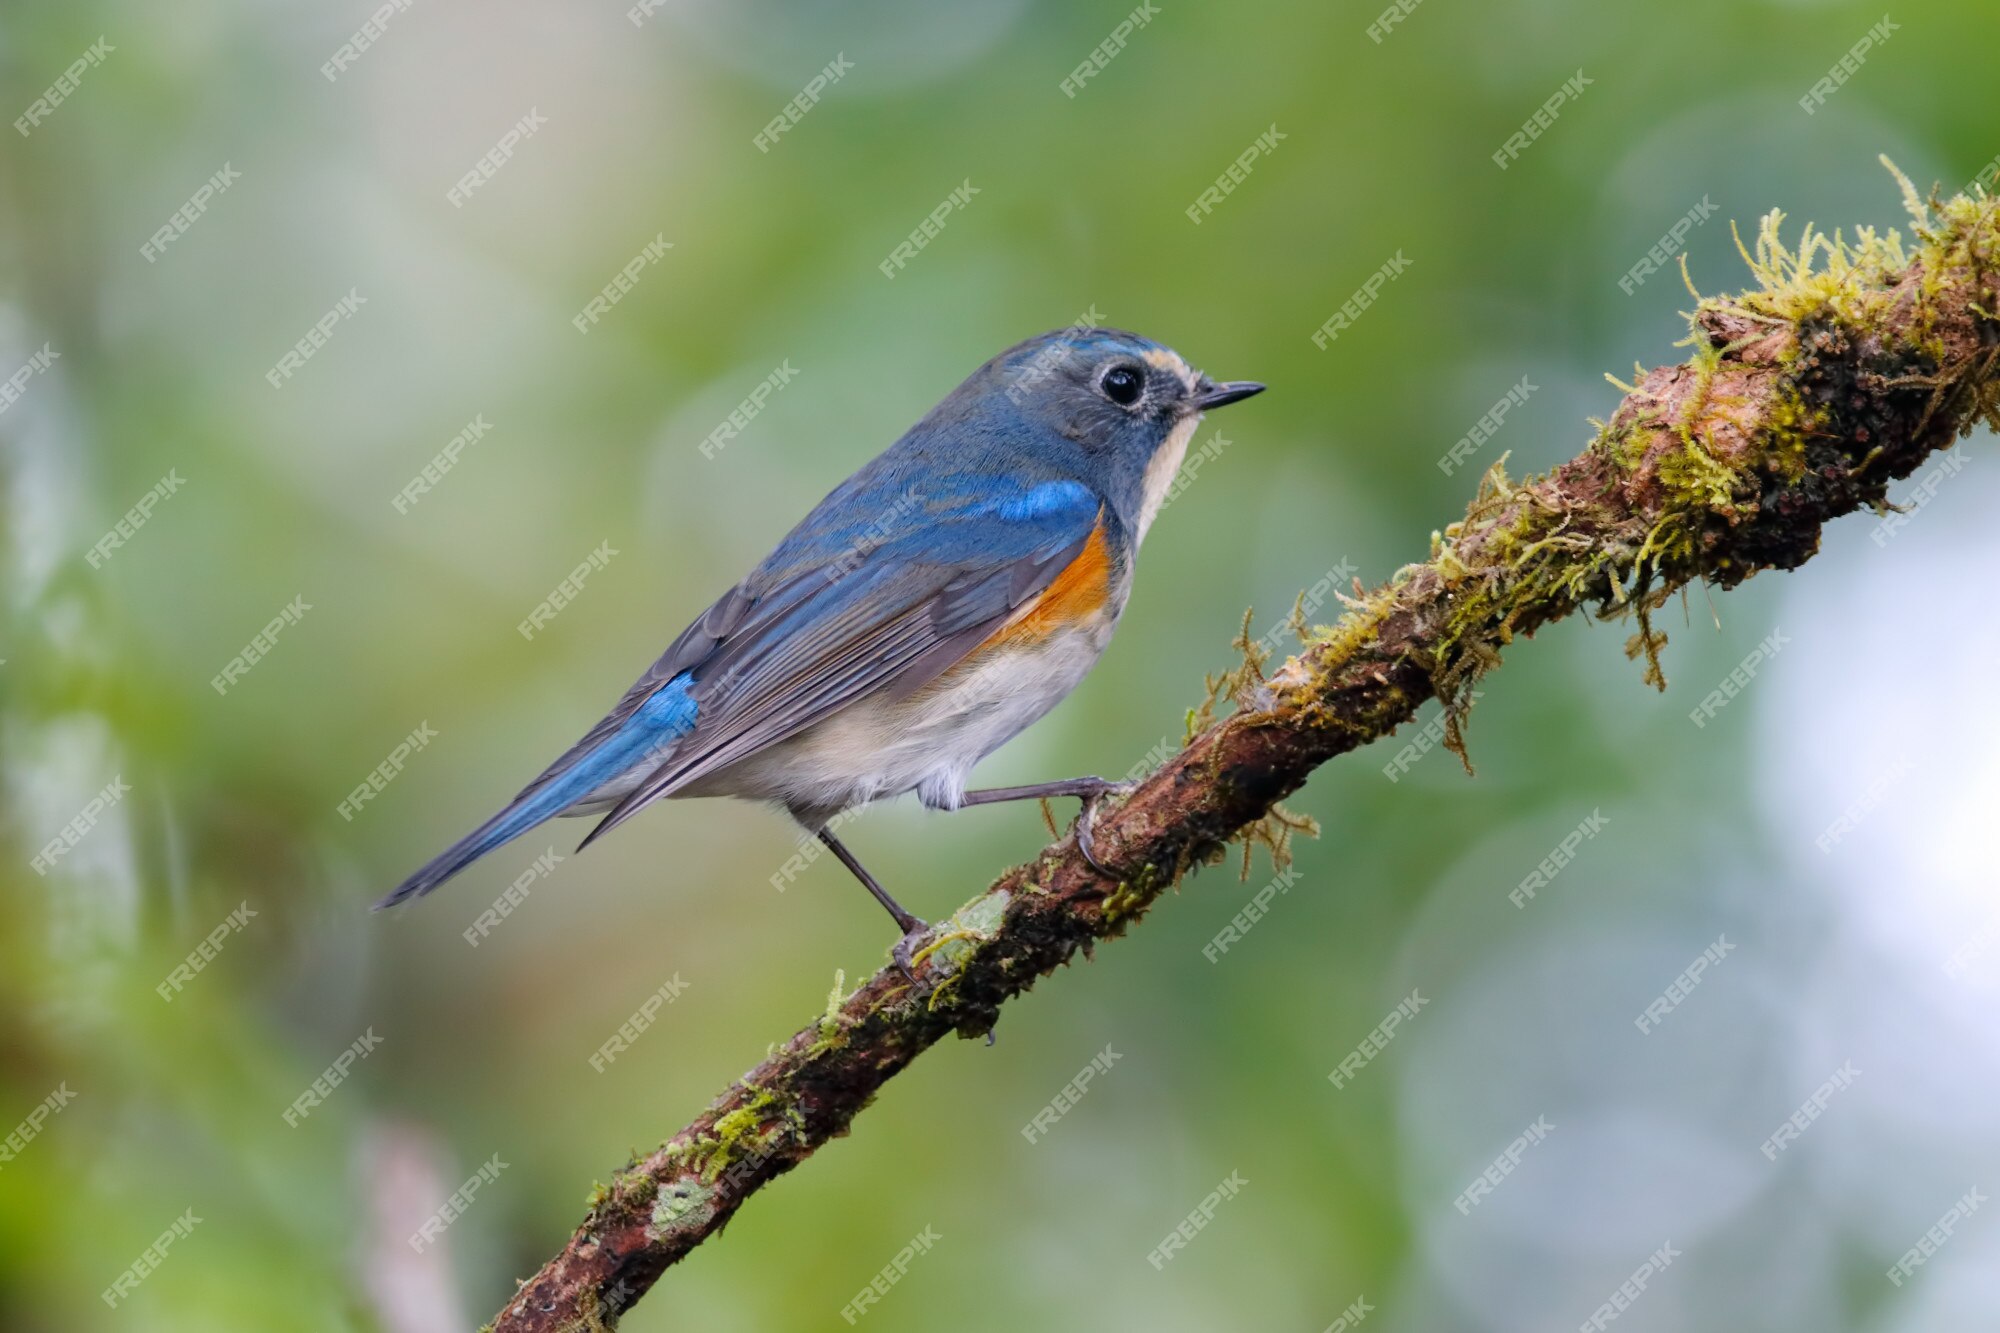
1075,595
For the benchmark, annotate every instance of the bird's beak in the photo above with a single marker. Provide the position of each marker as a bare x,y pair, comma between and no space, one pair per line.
1207,393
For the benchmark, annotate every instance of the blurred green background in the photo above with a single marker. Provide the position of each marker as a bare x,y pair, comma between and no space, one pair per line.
1871,950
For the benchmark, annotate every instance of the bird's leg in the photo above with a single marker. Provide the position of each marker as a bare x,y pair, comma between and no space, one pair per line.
912,927
1090,790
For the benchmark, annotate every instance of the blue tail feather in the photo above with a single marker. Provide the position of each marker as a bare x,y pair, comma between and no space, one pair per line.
663,719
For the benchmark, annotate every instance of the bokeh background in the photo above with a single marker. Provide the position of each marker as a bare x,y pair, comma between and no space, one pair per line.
1873,952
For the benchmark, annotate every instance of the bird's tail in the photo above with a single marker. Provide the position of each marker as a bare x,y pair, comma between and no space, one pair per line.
639,741
525,813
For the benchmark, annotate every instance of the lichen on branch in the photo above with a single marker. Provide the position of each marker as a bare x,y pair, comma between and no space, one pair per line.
1800,400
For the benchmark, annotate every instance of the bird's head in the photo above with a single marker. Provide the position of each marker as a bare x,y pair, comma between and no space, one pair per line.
1121,407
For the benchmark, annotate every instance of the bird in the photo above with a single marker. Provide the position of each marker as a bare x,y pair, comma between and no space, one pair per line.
934,605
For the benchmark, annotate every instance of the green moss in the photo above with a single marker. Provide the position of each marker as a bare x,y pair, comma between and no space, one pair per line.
636,1188
1131,897
589,1317
731,1129
1342,641
1530,553
832,1027
1274,833
746,1131
1789,427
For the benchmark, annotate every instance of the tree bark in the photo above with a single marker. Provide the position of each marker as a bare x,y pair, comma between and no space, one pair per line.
1843,369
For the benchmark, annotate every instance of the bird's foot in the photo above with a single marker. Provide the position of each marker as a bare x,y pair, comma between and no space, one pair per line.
914,931
1087,820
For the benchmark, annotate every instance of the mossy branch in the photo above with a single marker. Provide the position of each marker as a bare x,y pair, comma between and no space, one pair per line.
1802,398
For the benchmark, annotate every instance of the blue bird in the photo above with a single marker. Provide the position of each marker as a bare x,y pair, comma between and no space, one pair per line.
937,603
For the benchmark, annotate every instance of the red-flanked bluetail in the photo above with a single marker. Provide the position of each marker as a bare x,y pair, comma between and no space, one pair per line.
938,602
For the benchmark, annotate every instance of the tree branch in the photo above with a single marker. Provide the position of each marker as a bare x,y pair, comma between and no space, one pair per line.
1844,368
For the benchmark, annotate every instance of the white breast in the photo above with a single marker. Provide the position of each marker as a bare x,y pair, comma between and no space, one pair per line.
1160,474
928,742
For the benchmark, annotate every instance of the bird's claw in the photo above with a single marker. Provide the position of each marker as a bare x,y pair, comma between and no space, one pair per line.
1086,822
913,932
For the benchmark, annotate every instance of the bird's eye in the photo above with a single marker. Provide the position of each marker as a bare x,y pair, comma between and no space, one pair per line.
1123,385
